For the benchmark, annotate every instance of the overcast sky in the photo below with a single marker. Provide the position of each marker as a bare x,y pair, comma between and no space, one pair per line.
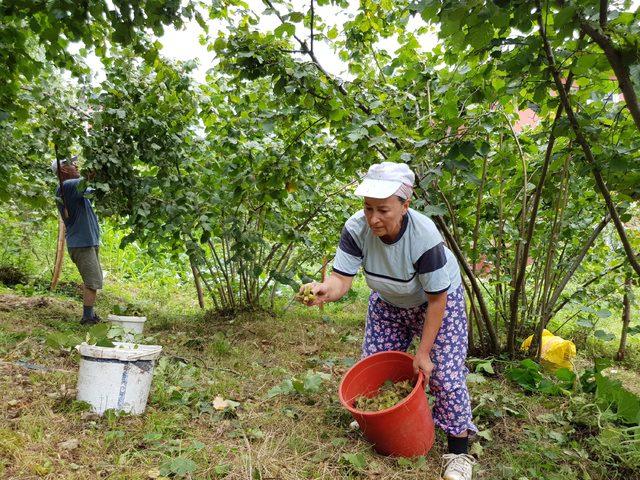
184,44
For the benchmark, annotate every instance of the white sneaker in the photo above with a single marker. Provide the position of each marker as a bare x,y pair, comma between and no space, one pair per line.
457,467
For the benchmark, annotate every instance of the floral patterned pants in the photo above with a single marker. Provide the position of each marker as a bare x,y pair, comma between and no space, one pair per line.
393,328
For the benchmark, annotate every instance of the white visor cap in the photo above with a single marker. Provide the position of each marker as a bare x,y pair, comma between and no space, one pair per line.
64,161
384,179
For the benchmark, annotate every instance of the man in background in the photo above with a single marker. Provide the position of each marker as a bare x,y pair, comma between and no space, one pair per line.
82,232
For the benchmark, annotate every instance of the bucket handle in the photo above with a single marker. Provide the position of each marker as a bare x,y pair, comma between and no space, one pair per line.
139,355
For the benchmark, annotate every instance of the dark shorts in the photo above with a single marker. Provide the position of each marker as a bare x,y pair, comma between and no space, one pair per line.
87,259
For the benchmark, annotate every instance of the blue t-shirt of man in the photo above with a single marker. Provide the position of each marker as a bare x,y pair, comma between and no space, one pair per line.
82,228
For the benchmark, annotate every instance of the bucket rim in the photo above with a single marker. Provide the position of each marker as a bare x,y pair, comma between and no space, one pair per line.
353,410
126,318
123,351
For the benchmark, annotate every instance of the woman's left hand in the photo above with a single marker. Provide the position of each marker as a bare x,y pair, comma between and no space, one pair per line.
423,362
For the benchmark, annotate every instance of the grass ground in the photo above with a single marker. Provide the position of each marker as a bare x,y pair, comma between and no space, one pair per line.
45,433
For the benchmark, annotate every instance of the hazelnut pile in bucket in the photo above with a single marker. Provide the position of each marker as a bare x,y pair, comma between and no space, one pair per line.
388,395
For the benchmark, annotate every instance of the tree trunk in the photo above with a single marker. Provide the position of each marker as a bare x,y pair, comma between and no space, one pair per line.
474,246
626,318
499,306
196,280
493,338
472,316
57,268
522,267
548,310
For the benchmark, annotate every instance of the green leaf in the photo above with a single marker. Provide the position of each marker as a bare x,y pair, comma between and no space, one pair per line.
567,377
530,365
628,406
585,322
179,466
99,331
285,388
600,364
357,134
480,35
562,128
564,15
486,366
337,114
59,340
285,28
585,62
119,309
296,17
298,385
201,22
286,278
55,340
355,460
434,210
468,149
610,437
526,374
547,386
604,336
611,394
557,437
103,342
498,83
635,330
476,449
313,381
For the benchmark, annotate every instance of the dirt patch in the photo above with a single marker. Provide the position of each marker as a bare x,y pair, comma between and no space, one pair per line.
70,289
10,302
630,380
10,276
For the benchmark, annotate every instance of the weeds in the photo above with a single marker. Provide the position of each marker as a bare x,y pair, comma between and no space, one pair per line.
307,385
248,408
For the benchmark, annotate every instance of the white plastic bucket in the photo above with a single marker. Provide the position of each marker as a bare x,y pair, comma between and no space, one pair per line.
135,325
116,377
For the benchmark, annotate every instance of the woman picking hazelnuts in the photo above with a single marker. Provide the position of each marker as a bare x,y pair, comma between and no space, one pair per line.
416,290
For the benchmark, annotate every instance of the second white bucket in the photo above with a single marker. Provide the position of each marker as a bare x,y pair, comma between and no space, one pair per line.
116,377
131,324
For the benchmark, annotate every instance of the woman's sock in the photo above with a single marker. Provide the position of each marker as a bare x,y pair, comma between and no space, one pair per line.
458,445
87,312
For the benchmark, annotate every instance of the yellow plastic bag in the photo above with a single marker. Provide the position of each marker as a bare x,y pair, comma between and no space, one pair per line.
556,351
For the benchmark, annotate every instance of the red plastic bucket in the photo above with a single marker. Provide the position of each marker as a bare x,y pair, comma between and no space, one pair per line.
404,430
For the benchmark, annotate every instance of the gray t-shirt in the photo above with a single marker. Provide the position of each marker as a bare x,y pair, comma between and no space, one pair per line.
404,271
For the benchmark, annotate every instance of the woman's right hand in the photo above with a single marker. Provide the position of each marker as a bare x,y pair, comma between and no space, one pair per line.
314,292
